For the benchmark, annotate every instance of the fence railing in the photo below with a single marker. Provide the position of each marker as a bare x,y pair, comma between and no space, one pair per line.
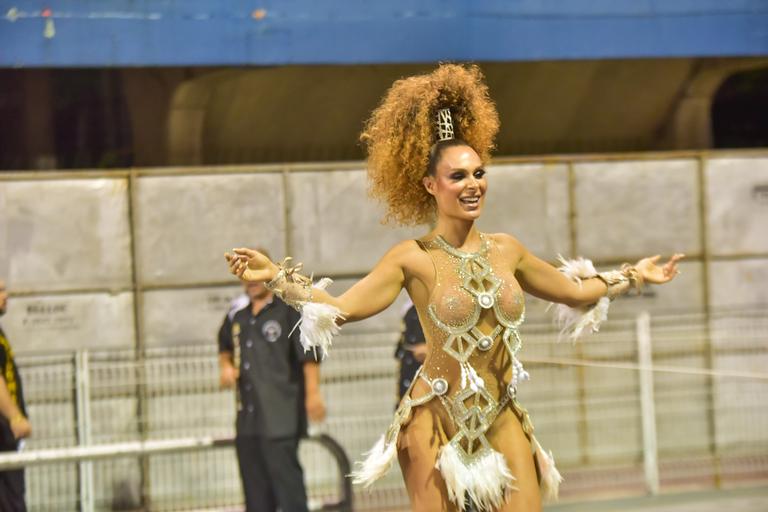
650,404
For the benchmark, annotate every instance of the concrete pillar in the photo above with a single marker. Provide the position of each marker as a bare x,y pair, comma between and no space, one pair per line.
38,120
690,124
187,116
149,94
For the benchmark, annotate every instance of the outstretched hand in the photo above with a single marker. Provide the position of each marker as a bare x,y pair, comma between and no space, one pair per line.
250,265
653,273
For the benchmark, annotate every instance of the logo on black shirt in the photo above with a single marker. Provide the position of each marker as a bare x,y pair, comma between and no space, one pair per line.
271,331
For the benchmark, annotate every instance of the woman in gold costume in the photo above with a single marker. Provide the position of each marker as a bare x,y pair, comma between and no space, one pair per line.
459,433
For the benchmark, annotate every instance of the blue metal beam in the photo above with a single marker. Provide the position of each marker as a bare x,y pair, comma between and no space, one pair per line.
273,32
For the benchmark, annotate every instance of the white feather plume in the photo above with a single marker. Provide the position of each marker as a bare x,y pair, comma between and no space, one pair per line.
578,269
318,326
574,322
550,476
377,462
485,481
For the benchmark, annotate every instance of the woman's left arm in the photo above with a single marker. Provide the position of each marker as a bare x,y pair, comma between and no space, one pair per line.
542,280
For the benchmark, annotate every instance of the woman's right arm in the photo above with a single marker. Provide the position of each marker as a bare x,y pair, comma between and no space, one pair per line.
372,294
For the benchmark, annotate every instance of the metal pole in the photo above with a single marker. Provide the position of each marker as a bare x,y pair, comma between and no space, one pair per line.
581,376
83,410
142,402
709,352
647,407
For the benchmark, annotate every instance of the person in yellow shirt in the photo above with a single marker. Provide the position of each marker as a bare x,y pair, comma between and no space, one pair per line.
14,425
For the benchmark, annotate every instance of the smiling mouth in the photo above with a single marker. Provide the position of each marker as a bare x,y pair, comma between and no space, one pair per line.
470,201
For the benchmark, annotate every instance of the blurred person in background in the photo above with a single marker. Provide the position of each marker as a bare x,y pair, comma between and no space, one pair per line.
411,349
278,386
460,434
14,425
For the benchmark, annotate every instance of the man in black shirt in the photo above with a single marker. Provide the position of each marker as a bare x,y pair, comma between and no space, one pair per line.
277,388
411,349
14,425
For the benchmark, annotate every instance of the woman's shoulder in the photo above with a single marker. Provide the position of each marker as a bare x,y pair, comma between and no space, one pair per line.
406,248
507,244
407,254
503,239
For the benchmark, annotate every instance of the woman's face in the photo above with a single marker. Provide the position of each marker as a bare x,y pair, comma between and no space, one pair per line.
459,183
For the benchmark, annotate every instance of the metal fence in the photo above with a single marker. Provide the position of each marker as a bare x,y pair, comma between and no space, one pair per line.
651,404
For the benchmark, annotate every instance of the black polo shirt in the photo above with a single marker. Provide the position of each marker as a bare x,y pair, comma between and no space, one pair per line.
271,382
412,335
13,382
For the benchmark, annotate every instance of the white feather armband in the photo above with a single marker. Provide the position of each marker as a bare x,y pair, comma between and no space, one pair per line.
318,326
574,322
318,321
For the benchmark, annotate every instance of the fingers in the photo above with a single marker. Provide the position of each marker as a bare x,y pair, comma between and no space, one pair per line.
233,263
248,253
655,259
237,263
670,269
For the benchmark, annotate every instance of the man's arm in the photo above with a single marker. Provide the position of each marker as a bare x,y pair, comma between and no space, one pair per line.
8,408
313,400
228,374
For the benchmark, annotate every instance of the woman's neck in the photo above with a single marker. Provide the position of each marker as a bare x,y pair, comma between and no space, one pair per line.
458,233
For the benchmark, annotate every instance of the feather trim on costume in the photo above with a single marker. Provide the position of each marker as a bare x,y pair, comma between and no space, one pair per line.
486,480
318,326
376,464
550,476
574,322
577,269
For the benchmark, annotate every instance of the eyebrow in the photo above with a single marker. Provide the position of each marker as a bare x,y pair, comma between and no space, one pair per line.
479,167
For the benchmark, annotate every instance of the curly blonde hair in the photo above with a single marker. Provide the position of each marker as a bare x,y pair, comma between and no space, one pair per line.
400,136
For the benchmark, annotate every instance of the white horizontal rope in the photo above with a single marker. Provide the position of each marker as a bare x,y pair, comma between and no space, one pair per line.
615,365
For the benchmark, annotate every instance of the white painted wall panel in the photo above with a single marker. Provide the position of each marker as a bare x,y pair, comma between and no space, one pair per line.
65,234
186,316
737,197
336,227
636,209
70,322
186,223
738,282
530,202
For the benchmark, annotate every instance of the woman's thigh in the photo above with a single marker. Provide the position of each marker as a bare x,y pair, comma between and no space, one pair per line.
507,436
419,446
417,449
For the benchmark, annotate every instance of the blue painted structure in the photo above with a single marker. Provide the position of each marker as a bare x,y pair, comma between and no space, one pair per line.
274,32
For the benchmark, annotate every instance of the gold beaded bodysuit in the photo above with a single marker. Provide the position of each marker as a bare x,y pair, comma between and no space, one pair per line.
471,374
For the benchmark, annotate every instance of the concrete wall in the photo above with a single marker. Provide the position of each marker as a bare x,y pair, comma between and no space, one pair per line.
134,259
90,258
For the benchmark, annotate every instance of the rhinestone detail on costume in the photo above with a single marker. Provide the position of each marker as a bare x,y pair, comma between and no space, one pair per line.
439,387
473,409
